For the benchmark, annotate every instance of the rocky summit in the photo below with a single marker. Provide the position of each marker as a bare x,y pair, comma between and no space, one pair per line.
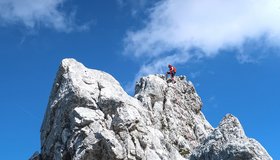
90,117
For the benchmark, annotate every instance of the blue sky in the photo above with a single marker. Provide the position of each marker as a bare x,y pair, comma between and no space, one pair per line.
228,49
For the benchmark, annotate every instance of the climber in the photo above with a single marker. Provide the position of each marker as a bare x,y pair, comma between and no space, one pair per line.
172,72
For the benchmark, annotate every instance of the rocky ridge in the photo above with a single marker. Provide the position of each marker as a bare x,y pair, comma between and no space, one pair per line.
90,117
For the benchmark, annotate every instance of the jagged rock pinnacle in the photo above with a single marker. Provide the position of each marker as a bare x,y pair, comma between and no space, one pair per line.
229,141
90,117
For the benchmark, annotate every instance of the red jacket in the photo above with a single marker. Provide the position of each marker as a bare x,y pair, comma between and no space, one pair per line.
172,69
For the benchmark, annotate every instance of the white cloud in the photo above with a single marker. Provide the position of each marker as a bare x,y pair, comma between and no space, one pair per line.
209,26
37,13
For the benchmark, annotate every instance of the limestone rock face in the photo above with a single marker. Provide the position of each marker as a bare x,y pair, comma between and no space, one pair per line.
229,141
175,110
90,117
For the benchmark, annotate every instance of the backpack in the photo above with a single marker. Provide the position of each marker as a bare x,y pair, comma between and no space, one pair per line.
174,69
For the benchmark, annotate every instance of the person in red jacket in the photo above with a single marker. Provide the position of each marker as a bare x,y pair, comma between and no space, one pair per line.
172,72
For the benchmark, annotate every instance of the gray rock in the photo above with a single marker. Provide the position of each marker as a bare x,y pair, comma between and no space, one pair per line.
229,141
175,110
89,116
35,156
